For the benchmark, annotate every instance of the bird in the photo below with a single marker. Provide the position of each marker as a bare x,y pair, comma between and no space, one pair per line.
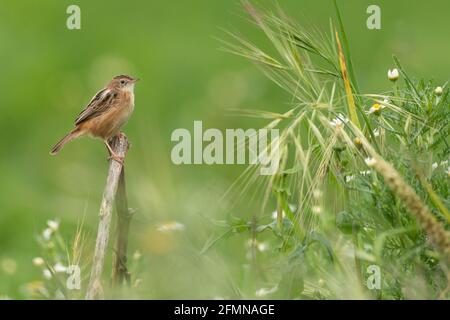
105,114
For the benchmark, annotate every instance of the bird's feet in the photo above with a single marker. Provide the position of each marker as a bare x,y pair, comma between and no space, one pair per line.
121,134
117,158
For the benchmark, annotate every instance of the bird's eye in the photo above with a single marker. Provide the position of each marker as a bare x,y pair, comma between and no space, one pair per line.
122,81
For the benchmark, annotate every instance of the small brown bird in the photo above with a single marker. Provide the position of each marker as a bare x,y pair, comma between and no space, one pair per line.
105,114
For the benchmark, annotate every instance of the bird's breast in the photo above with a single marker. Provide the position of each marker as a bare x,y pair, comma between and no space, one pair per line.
110,123
129,105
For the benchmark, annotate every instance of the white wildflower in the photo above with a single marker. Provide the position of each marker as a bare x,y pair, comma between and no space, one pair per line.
370,161
435,165
275,215
317,193
137,255
38,261
316,209
376,132
47,233
262,246
265,291
349,178
171,226
376,108
53,225
283,214
339,121
393,75
137,282
336,122
59,267
365,173
438,91
47,274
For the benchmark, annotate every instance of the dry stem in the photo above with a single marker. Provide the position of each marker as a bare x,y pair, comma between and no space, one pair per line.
120,146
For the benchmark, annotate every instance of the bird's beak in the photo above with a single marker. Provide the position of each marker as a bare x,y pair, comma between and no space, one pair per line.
136,80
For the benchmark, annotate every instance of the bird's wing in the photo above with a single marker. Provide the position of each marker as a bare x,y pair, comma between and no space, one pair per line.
99,104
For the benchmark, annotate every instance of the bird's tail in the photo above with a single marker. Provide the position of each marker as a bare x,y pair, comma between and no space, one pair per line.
72,135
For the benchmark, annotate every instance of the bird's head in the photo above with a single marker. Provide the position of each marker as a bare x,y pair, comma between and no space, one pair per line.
123,82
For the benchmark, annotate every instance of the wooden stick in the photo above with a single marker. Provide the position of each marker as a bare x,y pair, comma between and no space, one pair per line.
120,146
120,274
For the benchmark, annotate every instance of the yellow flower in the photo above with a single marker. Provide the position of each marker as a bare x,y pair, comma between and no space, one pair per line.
35,286
376,108
358,143
9,266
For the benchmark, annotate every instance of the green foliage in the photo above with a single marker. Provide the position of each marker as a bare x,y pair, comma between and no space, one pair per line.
411,126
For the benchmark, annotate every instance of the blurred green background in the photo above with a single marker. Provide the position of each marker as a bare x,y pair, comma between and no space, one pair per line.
49,73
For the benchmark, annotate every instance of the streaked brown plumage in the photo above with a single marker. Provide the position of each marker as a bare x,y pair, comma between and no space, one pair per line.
105,114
